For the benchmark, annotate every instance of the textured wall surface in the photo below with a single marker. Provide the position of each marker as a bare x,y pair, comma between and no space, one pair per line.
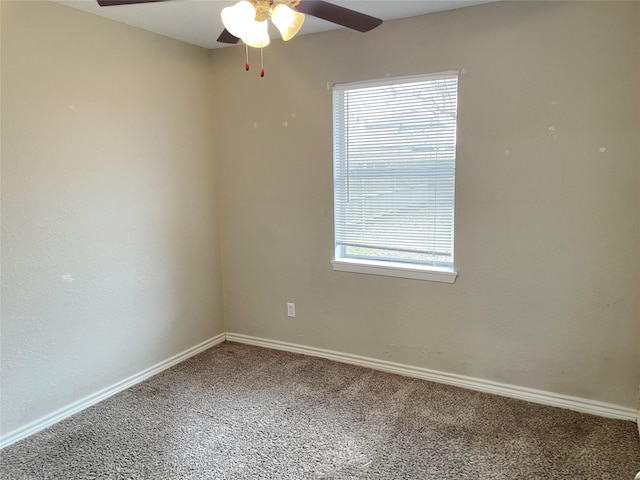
110,258
547,197
112,201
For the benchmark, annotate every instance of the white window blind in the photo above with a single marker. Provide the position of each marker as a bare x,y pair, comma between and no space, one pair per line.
394,169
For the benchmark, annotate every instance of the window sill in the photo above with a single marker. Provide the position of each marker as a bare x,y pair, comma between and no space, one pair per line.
396,269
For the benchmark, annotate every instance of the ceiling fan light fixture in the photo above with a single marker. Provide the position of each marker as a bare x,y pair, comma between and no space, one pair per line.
286,20
256,35
240,21
237,19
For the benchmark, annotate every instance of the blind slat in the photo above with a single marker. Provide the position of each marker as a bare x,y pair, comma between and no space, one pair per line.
394,168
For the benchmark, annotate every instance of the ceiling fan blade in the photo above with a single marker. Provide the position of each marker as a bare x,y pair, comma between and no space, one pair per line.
337,14
111,3
226,37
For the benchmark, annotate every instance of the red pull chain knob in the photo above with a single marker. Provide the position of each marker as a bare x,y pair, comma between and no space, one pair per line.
246,66
262,72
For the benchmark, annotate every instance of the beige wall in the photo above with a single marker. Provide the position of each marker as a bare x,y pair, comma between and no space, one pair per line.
118,158
110,257
547,244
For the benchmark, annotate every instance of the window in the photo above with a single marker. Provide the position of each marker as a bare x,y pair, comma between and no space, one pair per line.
394,144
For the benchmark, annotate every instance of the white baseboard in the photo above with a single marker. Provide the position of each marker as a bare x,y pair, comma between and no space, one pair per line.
536,396
61,414
584,405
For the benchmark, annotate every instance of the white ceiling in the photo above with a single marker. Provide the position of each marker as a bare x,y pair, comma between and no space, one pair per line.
198,21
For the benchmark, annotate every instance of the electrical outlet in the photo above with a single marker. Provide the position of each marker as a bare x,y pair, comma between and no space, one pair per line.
291,309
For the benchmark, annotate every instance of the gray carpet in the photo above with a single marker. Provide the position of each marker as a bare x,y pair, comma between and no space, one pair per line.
241,412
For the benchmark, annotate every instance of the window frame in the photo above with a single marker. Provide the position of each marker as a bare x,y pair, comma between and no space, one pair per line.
375,265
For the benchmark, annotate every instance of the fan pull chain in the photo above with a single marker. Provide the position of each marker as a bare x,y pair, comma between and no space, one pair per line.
246,52
261,62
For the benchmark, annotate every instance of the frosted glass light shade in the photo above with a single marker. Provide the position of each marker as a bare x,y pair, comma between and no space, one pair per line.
256,35
287,21
237,19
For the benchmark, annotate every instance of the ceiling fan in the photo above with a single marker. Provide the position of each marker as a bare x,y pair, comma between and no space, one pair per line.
247,19
265,8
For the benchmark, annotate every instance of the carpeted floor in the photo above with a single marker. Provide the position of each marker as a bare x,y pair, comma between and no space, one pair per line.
242,412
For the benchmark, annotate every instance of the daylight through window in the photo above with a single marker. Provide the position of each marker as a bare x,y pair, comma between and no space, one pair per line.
394,171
